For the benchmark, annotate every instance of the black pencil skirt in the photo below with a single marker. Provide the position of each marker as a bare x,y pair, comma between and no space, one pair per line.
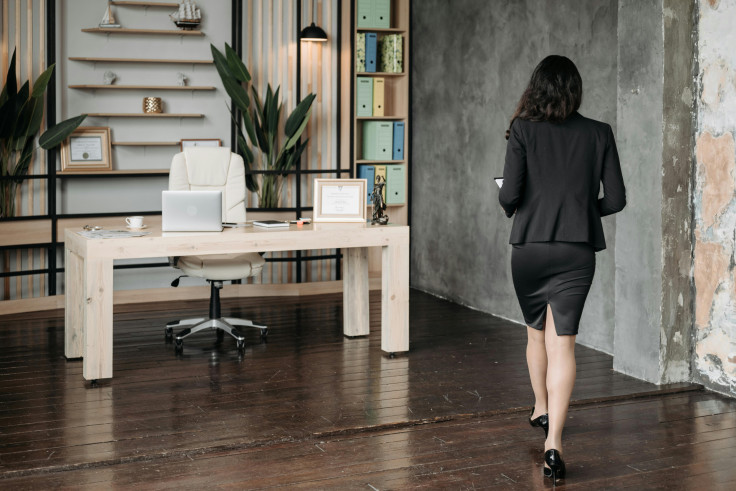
554,273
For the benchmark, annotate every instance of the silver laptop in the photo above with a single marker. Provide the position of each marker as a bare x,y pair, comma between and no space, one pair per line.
191,211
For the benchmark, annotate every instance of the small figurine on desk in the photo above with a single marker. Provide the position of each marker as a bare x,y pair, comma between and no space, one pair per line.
378,204
181,79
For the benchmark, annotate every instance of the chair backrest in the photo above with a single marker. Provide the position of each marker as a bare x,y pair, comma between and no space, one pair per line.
212,169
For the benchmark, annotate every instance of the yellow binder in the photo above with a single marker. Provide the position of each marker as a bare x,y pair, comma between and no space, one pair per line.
378,96
381,171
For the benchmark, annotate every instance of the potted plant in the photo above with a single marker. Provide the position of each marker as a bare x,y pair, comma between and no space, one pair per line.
21,114
262,127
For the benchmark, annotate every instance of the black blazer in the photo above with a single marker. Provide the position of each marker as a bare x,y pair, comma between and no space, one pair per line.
551,180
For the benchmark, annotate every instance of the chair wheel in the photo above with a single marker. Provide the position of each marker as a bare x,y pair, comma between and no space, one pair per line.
178,346
264,334
169,333
241,345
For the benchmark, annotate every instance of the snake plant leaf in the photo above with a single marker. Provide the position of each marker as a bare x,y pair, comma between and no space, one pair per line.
249,128
21,167
237,68
274,112
257,100
237,93
245,150
292,141
7,117
233,88
35,109
58,133
23,116
223,69
11,84
262,140
297,115
250,183
41,82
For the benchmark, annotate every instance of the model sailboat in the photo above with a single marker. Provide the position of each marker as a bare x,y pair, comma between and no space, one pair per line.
108,20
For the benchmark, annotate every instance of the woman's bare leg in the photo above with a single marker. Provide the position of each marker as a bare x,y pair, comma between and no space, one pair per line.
560,380
536,360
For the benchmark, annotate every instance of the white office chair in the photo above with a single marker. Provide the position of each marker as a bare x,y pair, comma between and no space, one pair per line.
214,169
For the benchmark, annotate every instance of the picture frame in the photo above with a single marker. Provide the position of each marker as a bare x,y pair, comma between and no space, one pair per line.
199,142
87,149
339,200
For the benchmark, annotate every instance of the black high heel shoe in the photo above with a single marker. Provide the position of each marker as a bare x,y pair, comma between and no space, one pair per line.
540,421
556,469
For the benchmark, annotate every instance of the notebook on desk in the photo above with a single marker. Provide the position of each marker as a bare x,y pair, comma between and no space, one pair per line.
191,211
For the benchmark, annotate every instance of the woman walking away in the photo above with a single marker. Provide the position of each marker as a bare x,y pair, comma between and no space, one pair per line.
556,160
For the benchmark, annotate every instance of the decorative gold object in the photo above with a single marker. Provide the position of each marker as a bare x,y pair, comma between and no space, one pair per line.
153,105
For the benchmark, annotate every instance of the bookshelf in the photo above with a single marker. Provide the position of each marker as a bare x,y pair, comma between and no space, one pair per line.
396,102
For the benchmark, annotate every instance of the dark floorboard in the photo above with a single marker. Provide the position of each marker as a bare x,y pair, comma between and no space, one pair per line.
312,409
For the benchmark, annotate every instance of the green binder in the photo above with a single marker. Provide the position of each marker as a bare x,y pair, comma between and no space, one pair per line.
374,14
395,184
378,140
364,99
360,52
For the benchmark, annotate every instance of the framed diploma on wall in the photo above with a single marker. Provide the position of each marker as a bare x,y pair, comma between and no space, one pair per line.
87,149
339,200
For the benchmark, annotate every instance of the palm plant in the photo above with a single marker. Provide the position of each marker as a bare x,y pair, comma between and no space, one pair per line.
261,124
21,115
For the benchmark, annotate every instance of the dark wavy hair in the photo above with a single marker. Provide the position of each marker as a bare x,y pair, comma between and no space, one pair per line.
555,91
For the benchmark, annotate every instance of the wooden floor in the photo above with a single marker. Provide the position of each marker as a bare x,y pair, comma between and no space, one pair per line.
311,409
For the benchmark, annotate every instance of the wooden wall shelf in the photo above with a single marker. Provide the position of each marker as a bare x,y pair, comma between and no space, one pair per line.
122,3
141,87
123,30
143,115
389,30
380,74
379,162
140,60
380,118
145,144
116,172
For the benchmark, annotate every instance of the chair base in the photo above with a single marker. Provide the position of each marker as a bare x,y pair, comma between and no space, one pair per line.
221,325
213,322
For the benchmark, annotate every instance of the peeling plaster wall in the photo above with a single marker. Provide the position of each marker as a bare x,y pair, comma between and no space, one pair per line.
714,199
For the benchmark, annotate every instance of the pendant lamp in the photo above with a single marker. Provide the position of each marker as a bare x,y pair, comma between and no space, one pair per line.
312,32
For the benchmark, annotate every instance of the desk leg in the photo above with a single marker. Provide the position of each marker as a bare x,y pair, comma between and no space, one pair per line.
74,304
98,319
355,291
395,298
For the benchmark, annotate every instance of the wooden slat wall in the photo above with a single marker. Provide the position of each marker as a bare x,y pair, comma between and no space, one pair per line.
270,52
23,29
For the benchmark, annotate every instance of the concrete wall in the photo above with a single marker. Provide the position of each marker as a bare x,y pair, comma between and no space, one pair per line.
470,63
653,251
714,333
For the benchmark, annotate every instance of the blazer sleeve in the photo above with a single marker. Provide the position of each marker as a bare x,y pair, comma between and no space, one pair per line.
514,172
614,191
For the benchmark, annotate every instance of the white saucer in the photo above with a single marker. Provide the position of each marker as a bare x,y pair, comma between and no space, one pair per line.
136,228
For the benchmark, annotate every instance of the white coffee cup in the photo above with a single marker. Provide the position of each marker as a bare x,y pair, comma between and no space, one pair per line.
134,222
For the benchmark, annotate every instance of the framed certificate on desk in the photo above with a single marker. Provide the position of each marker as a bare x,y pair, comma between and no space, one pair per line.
339,200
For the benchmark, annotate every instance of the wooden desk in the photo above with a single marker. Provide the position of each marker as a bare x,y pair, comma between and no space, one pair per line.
89,277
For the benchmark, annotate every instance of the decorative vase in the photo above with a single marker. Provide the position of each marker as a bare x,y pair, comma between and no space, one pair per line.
153,105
